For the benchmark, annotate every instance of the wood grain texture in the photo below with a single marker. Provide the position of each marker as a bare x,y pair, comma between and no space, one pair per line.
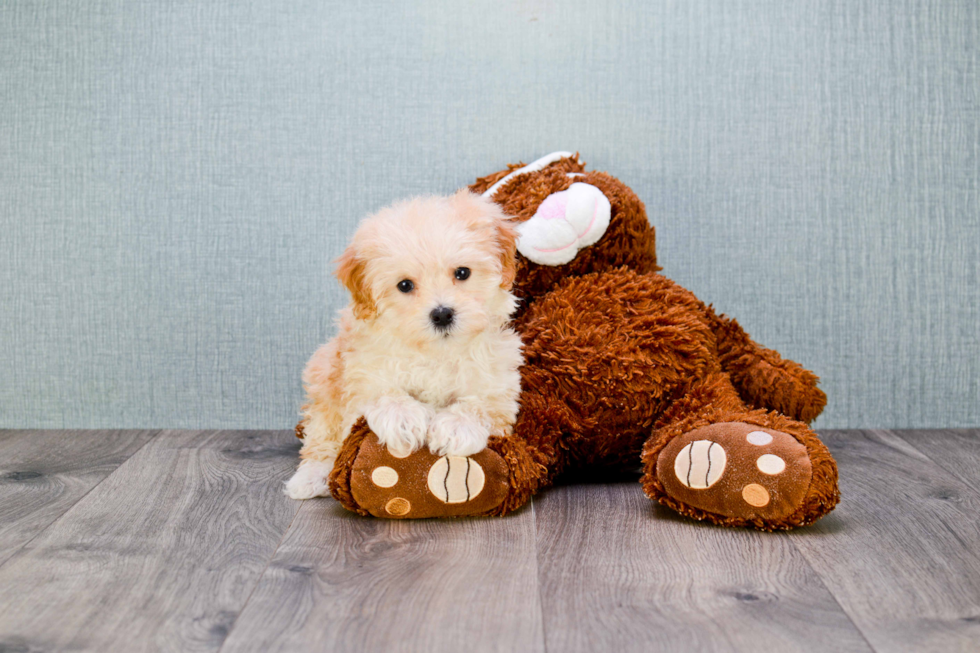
619,573
340,582
43,474
901,553
190,545
955,450
162,555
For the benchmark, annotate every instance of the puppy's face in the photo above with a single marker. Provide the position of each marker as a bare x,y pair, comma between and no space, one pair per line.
433,269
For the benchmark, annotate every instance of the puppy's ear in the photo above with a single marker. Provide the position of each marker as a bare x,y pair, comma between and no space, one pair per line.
483,215
506,237
351,273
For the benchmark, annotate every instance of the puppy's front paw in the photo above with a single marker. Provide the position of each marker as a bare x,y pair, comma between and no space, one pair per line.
400,424
453,434
310,480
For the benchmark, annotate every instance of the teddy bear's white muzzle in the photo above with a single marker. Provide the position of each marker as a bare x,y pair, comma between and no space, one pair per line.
565,222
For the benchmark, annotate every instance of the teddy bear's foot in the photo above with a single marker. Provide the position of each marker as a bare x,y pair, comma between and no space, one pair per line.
423,484
735,473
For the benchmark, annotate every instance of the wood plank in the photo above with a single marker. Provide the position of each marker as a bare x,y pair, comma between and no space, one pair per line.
341,582
902,552
621,573
955,450
43,474
161,555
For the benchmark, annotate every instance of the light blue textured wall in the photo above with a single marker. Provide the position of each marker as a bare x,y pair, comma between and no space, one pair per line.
175,178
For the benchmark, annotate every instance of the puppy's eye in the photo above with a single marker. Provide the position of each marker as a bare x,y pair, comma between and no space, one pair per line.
462,274
406,285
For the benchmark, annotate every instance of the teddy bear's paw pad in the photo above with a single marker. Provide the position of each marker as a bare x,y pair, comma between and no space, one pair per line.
455,479
700,464
423,484
736,470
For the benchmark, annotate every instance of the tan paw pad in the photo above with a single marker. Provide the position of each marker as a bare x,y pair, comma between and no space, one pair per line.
771,464
399,507
455,479
700,464
384,476
755,495
759,438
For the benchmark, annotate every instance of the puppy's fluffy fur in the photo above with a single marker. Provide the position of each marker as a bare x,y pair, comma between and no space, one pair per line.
417,383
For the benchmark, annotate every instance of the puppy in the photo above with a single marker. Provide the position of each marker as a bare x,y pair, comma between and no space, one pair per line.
424,351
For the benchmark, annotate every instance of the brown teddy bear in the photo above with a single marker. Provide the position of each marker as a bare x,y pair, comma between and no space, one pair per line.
622,366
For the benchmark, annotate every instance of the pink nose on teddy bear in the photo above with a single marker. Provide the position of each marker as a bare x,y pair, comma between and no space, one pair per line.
553,207
564,223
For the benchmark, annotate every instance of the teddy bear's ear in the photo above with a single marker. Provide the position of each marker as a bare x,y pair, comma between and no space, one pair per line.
351,273
564,223
534,166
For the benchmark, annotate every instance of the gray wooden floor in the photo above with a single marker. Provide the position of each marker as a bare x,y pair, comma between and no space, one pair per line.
183,541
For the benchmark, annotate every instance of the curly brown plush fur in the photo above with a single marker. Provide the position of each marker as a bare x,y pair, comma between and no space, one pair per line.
620,361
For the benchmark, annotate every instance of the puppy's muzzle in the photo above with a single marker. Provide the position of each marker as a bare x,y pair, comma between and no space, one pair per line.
442,317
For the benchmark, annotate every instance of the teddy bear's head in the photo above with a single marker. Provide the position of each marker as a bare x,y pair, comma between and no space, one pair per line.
570,222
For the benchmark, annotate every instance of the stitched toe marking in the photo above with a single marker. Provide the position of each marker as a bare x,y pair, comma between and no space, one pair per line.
384,476
759,438
398,507
755,495
771,464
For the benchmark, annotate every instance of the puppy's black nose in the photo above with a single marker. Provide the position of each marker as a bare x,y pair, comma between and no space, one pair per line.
442,317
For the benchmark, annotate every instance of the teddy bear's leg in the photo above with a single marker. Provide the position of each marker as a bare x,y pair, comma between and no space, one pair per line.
762,377
713,459
369,480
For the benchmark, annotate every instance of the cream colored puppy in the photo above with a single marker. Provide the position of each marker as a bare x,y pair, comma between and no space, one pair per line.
424,351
